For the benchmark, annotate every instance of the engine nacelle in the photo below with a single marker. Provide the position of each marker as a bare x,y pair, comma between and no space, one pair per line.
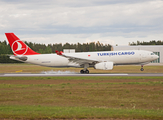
104,66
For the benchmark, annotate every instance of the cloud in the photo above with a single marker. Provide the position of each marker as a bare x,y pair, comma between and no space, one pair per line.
100,18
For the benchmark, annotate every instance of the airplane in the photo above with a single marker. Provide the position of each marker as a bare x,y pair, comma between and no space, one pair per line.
102,60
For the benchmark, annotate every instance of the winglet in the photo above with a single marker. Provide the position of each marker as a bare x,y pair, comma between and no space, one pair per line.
59,53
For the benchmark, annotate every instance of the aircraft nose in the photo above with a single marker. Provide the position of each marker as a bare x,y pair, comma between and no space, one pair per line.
156,57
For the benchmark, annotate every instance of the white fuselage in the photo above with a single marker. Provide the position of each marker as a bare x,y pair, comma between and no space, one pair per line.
117,57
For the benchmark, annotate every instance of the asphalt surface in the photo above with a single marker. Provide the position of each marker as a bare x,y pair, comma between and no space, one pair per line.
78,74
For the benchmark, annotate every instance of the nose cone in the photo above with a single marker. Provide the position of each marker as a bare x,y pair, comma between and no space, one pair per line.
156,57
153,56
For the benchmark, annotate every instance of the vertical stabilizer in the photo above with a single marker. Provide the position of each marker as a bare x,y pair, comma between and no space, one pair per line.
19,47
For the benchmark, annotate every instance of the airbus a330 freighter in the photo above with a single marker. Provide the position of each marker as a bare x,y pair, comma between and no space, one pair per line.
103,60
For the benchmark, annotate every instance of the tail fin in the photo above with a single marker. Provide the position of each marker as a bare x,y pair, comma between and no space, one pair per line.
19,47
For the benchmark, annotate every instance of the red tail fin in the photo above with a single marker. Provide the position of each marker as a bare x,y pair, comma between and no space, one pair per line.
19,47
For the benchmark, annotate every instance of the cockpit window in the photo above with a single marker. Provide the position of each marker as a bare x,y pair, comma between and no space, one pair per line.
152,54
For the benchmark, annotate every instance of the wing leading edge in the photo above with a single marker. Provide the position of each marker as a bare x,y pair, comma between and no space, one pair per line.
78,60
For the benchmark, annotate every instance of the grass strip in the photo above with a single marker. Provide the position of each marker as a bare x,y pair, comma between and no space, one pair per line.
48,112
83,84
82,78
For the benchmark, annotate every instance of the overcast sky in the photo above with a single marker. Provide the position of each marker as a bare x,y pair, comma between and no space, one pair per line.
60,21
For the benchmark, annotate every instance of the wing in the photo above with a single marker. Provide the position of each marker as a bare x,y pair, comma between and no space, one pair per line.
78,60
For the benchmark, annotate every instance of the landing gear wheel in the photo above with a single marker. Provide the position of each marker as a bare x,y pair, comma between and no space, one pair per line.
81,71
86,72
142,69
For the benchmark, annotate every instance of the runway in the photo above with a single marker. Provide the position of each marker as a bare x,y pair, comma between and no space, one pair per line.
77,74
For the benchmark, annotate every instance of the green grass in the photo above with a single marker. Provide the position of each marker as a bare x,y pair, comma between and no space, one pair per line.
81,97
83,78
44,112
81,84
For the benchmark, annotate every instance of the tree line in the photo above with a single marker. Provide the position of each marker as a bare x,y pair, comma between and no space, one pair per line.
153,42
50,48
5,49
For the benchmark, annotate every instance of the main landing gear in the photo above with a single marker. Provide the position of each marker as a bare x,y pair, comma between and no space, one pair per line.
84,72
142,69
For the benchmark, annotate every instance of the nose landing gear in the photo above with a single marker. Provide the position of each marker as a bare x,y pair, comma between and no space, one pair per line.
142,69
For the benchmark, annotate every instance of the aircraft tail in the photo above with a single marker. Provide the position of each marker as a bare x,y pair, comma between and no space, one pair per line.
19,47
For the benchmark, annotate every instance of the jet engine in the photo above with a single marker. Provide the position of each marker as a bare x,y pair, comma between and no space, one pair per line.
104,66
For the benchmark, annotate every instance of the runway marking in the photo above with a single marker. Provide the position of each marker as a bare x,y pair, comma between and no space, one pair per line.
26,75
78,74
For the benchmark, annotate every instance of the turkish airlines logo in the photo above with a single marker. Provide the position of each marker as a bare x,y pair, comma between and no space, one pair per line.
19,48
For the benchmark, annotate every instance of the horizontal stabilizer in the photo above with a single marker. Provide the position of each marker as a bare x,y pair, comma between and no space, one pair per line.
59,53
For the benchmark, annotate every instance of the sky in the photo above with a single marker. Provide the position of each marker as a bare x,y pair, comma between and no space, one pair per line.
114,22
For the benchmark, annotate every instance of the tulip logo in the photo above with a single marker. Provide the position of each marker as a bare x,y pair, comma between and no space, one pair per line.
19,48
